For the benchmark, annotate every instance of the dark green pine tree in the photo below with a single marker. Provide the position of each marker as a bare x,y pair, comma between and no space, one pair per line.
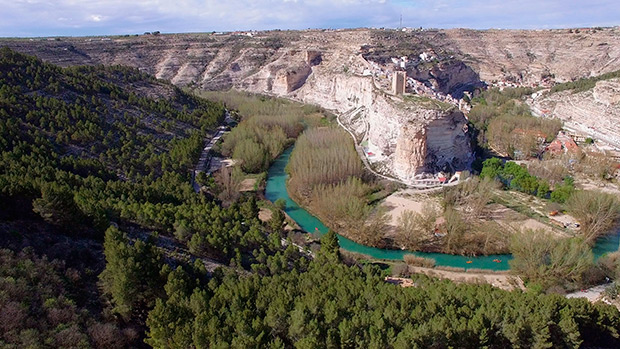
131,277
330,247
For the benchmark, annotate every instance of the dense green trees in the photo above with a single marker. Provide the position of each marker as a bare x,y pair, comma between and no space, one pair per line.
130,164
328,304
561,193
517,177
94,113
131,276
76,178
268,125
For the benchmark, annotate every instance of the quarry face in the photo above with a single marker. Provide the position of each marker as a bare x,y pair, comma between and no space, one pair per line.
404,129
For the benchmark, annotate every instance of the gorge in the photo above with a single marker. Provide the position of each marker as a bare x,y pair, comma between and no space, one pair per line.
350,70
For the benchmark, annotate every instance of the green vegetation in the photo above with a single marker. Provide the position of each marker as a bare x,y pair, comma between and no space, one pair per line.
326,176
504,123
133,242
328,304
131,276
598,213
547,260
517,177
91,113
267,127
584,84
563,192
131,168
41,306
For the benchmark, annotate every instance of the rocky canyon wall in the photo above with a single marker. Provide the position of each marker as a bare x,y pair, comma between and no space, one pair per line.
594,113
328,68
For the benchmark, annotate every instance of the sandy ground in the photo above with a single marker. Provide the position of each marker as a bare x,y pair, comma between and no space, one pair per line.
611,188
503,281
533,224
509,217
247,184
402,201
403,282
398,203
593,294
264,214
217,163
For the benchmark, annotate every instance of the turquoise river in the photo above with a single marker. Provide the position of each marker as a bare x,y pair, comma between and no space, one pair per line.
276,189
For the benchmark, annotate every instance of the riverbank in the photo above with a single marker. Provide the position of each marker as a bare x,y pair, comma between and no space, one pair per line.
503,280
276,189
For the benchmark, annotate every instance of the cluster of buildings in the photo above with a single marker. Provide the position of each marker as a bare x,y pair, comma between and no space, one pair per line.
514,82
563,143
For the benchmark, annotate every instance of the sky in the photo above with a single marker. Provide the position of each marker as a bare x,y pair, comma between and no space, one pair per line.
25,18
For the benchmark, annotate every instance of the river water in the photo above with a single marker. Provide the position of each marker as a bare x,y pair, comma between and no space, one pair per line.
276,189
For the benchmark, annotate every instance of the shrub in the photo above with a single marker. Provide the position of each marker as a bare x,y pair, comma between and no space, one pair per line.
597,212
417,261
542,258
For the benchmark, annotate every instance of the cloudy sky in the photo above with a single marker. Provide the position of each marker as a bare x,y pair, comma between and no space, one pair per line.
99,17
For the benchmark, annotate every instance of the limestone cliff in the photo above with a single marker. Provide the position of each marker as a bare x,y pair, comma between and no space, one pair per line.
530,56
215,61
594,113
451,77
411,150
347,71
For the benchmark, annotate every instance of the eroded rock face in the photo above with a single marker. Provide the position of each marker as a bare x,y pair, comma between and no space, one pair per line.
594,113
528,56
411,151
607,92
451,77
448,143
290,79
524,55
328,69
441,144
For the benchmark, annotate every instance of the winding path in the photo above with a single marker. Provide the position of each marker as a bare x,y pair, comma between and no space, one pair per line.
205,156
360,150
421,185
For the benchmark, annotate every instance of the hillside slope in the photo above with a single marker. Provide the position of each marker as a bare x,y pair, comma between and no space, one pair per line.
56,200
226,60
589,111
350,71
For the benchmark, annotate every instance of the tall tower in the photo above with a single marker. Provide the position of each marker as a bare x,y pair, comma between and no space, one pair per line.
399,82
